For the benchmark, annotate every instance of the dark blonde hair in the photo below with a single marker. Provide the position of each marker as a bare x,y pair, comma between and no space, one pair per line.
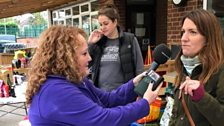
110,11
55,55
211,55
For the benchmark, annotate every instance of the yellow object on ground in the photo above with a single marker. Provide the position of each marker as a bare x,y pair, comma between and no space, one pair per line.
19,54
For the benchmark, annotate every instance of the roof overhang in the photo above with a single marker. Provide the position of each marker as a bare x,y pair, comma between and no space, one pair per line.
9,8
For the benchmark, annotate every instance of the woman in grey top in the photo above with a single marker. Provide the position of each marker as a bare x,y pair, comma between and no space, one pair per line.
116,55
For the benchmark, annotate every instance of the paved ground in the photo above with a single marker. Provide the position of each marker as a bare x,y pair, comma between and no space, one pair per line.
8,119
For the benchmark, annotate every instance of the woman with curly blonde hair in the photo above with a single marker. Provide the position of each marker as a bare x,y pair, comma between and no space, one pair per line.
59,93
55,55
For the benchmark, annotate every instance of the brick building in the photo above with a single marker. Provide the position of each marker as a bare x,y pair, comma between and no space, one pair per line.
152,21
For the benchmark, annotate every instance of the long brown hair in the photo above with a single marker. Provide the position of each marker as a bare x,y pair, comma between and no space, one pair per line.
55,55
211,55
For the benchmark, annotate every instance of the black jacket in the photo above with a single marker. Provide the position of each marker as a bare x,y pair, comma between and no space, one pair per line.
125,54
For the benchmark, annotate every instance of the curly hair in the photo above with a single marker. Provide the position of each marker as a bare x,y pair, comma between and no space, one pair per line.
211,55
55,55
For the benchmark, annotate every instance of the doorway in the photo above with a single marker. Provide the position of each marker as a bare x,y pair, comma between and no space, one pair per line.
141,20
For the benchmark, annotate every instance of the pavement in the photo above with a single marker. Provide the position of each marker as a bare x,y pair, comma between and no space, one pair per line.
12,110
12,114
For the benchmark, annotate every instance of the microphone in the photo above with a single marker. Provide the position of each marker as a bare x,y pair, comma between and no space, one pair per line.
161,54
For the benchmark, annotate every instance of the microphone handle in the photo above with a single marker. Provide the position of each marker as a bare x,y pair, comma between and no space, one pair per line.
142,86
153,66
152,77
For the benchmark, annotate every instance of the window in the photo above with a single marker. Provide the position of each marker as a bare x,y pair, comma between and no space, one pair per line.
94,6
54,15
67,12
94,22
75,10
61,22
76,22
83,15
55,22
217,8
85,8
68,21
86,24
61,13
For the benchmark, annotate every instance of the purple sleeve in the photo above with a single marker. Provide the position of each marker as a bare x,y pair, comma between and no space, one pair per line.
75,108
121,96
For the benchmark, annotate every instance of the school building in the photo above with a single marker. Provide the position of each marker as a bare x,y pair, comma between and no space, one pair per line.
152,21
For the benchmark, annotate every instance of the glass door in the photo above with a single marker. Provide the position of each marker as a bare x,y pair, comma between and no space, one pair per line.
86,24
94,23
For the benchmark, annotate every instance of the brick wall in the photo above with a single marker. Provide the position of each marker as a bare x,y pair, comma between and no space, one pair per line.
121,5
174,17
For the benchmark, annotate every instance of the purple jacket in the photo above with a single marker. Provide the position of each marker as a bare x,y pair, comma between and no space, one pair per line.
62,103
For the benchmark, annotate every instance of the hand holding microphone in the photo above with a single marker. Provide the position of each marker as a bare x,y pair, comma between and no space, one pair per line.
138,78
161,54
150,95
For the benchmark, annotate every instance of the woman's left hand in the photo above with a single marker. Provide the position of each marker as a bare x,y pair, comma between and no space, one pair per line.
189,85
139,77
